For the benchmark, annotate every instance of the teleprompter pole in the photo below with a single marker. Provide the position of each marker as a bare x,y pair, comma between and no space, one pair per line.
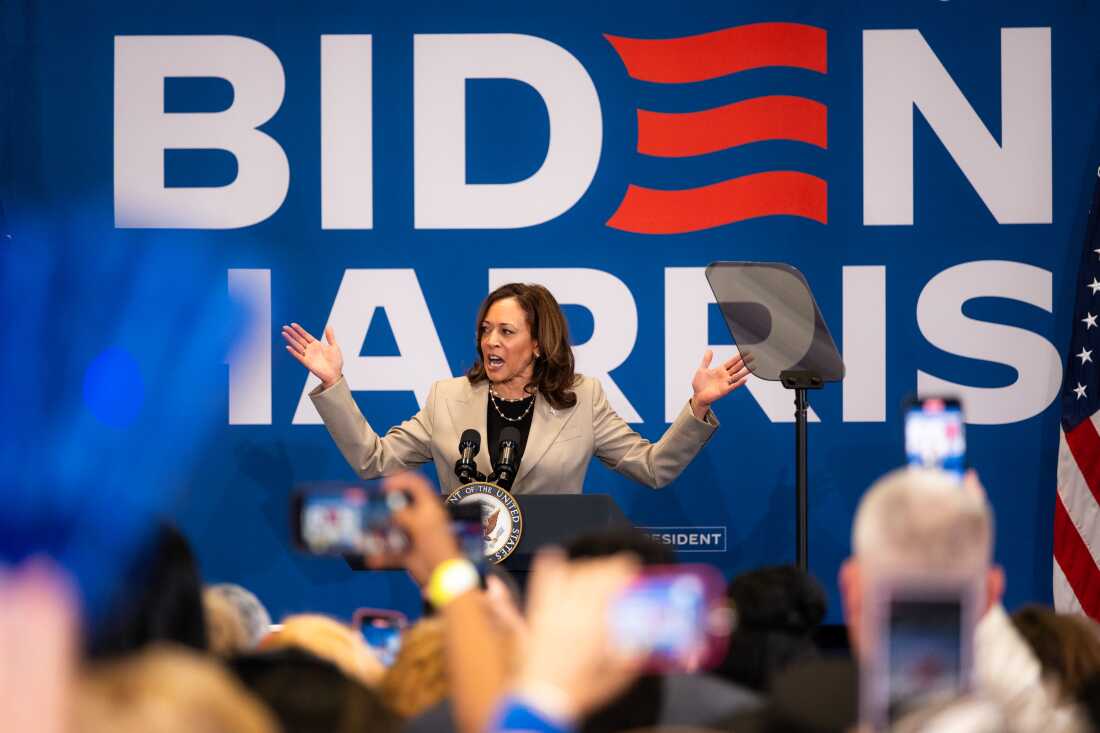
800,381
801,404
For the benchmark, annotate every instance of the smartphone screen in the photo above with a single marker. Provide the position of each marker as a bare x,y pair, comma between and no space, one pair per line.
925,654
381,630
935,435
352,520
357,520
469,529
675,615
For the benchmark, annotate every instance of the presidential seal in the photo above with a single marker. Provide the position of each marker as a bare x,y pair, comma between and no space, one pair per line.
501,518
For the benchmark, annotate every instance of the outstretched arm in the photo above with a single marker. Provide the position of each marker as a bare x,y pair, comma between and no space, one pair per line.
404,446
656,465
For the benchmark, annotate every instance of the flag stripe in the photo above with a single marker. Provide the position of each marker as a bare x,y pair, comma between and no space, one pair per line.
1064,598
1078,499
1084,443
1073,556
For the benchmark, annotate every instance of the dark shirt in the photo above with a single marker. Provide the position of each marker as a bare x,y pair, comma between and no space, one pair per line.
495,423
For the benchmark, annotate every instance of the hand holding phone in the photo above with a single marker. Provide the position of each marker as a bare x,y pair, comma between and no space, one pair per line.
919,645
400,523
676,616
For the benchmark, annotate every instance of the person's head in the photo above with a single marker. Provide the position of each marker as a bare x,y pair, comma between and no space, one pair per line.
225,631
248,609
331,640
417,680
161,600
1066,645
167,689
523,339
778,609
310,695
919,522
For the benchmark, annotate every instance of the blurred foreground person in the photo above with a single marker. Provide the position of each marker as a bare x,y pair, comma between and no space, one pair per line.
570,668
251,616
920,524
1067,646
165,690
225,631
39,632
308,694
669,699
778,610
330,640
417,681
160,600
566,668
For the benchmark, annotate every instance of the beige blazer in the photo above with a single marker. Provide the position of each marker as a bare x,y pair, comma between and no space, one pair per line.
559,446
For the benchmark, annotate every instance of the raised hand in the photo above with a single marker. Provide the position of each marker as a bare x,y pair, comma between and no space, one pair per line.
324,360
710,385
568,608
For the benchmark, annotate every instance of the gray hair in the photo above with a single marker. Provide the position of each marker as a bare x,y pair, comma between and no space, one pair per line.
922,520
253,616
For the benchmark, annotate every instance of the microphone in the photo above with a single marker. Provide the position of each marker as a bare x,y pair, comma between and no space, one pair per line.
508,456
468,446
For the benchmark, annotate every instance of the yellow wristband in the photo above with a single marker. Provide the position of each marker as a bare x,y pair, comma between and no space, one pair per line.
450,579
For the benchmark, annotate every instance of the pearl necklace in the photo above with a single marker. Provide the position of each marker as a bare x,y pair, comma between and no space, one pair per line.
493,400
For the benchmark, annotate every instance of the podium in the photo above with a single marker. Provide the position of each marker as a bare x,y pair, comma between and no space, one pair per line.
554,519
550,519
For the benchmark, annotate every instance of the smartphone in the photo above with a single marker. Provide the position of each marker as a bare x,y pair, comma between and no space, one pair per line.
920,647
676,615
347,519
356,519
382,630
935,435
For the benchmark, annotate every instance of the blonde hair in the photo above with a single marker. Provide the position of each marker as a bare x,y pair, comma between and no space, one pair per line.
169,690
418,678
922,519
330,640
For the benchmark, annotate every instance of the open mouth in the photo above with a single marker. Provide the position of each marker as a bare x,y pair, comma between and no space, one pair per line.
494,362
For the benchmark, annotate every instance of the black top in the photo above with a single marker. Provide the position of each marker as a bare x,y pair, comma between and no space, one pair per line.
495,423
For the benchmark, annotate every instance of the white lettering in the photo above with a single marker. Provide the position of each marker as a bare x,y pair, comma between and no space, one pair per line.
864,331
347,139
143,131
443,63
1036,361
1013,179
250,359
421,361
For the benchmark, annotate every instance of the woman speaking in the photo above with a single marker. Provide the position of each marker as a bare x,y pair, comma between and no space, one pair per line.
522,378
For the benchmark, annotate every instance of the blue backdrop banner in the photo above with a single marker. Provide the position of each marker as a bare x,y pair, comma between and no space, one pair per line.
379,167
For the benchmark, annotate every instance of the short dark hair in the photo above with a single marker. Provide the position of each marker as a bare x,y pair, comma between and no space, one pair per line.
160,600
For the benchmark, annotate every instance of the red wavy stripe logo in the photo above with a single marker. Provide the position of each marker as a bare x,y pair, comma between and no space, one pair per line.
719,53
654,211
672,135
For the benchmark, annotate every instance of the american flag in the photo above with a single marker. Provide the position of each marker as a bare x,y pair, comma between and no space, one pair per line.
1077,505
